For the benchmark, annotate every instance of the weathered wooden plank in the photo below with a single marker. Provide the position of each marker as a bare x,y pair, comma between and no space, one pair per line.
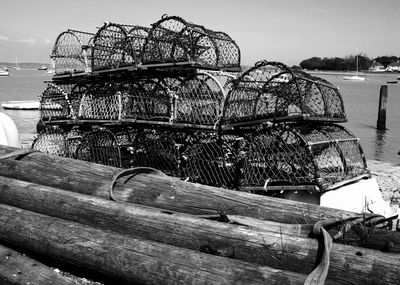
17,268
172,194
279,247
163,192
129,259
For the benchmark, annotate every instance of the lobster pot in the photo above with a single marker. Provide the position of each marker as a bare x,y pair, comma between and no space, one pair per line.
211,160
101,102
271,91
116,45
99,146
156,149
146,100
72,52
172,39
322,155
55,103
199,100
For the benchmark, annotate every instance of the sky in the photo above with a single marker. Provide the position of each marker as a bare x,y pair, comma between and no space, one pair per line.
288,31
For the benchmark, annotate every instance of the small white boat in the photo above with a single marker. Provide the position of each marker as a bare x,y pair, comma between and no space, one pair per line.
29,105
4,72
354,78
42,67
21,105
16,67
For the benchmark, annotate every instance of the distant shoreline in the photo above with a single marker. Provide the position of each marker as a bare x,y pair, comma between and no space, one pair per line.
333,72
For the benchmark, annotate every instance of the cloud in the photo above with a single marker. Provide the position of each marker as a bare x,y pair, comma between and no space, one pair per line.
48,42
27,41
4,38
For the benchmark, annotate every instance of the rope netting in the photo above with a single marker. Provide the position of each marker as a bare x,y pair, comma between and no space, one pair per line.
266,92
99,146
117,45
272,91
54,103
51,140
300,154
195,99
72,52
199,99
61,101
172,39
170,97
169,40
325,155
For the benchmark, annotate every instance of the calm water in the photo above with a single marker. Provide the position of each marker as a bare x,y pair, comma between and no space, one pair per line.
361,101
23,84
360,98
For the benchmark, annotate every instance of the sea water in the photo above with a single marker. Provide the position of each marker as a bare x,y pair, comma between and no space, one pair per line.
24,84
361,102
361,99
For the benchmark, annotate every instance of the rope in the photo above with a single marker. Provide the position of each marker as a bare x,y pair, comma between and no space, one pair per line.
18,154
132,172
318,275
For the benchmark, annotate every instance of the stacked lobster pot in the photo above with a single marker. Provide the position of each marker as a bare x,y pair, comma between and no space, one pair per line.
173,97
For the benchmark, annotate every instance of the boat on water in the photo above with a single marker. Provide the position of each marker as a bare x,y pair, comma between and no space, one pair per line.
21,105
42,67
4,72
16,67
355,77
28,105
391,81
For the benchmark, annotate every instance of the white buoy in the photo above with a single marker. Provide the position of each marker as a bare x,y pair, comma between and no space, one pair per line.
9,134
361,196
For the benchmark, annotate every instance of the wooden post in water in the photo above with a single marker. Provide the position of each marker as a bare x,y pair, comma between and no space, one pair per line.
383,94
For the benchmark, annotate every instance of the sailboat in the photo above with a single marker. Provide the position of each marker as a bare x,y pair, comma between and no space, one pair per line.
16,67
355,77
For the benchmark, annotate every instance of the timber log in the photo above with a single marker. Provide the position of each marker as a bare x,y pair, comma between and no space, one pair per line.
280,247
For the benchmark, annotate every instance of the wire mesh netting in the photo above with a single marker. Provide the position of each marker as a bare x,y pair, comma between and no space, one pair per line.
116,45
272,91
325,155
172,39
72,52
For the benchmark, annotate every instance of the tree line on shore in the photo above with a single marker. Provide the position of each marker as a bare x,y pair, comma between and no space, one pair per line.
345,64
